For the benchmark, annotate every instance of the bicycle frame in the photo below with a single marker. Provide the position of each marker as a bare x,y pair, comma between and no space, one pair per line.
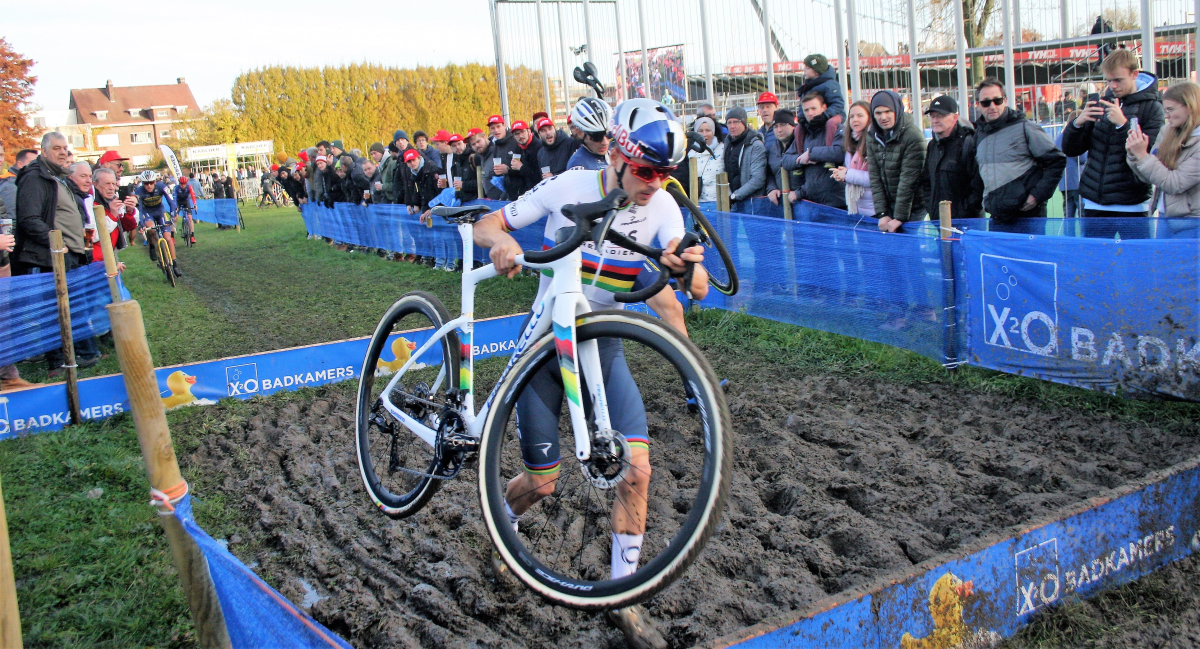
563,303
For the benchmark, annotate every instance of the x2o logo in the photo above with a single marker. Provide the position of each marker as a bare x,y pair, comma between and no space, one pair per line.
242,379
1020,304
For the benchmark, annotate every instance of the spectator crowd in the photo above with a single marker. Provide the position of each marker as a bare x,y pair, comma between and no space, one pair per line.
1127,152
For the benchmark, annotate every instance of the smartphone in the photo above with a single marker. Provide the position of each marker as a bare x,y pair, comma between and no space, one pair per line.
124,191
1093,98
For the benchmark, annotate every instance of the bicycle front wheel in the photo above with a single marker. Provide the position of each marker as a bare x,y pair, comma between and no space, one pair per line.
165,259
400,470
562,547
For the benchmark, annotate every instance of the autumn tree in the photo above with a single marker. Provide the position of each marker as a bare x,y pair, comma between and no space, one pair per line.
16,87
360,104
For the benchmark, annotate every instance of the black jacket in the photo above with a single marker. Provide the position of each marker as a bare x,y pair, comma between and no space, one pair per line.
461,167
952,174
37,198
421,187
529,175
335,188
1107,179
558,154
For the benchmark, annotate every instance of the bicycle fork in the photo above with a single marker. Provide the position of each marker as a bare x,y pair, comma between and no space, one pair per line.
572,356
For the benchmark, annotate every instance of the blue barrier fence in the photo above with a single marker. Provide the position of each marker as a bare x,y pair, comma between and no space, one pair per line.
30,323
222,211
1106,304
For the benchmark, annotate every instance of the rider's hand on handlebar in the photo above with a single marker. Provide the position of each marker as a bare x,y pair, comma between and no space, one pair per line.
676,262
504,256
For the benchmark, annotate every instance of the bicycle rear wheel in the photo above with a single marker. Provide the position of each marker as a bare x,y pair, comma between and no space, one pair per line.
562,550
721,273
400,470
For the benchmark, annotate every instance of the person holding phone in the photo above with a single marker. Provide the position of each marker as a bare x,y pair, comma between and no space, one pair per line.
1173,164
1108,186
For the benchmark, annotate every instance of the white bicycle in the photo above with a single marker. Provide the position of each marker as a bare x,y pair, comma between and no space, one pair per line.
418,427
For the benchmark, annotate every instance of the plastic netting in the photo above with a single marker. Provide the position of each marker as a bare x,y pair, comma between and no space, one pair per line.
222,211
30,323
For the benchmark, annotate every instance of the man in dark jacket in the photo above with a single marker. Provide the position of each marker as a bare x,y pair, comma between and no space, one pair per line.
817,155
1107,186
1018,163
420,183
364,178
525,172
557,148
783,127
745,160
951,173
498,159
895,158
462,172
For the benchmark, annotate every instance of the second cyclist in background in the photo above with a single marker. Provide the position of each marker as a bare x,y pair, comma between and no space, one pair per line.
185,200
155,203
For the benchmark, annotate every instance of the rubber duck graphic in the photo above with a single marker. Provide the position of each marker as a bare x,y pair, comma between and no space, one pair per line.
180,386
402,348
946,600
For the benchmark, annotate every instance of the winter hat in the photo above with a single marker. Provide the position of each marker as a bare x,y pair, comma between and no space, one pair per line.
785,116
399,135
704,120
887,99
538,115
378,146
337,144
322,158
817,62
737,112
392,148
411,154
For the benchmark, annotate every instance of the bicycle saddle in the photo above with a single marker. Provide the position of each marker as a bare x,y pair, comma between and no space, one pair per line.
464,214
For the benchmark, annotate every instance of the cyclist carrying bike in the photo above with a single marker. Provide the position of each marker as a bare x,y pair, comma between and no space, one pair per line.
186,202
648,142
155,202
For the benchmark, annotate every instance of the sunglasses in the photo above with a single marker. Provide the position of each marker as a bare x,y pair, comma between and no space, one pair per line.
987,103
648,173
597,137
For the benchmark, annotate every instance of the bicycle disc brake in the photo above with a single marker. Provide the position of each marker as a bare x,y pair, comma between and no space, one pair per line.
610,459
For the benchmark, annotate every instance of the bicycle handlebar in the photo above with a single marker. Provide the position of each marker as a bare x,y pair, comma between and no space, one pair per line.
664,275
584,215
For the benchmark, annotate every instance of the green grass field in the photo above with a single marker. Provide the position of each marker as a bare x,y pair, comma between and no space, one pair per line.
92,566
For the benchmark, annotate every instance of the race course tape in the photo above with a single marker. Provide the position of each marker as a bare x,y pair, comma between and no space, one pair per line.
994,588
43,409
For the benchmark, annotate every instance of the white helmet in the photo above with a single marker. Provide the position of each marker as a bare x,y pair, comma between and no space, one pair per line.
591,115
147,176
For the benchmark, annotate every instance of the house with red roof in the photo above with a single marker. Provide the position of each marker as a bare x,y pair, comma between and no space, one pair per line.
133,120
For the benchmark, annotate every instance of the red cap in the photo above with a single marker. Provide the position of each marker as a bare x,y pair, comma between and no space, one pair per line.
442,136
274,167
545,121
411,154
303,155
455,137
538,115
767,98
300,165
474,131
109,156
495,119
519,125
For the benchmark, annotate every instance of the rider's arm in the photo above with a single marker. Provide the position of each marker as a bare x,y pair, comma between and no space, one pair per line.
492,230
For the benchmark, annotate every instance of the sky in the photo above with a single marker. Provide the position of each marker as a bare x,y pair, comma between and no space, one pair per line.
211,43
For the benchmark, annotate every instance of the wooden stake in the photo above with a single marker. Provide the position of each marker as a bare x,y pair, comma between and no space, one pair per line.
722,192
10,616
479,183
110,259
162,468
785,188
57,258
944,220
694,179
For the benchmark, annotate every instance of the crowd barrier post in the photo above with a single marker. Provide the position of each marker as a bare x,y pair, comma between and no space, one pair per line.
57,259
110,261
949,314
10,616
722,191
785,188
162,469
479,190
694,179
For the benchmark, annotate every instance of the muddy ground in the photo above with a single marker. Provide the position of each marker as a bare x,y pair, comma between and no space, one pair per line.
838,480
